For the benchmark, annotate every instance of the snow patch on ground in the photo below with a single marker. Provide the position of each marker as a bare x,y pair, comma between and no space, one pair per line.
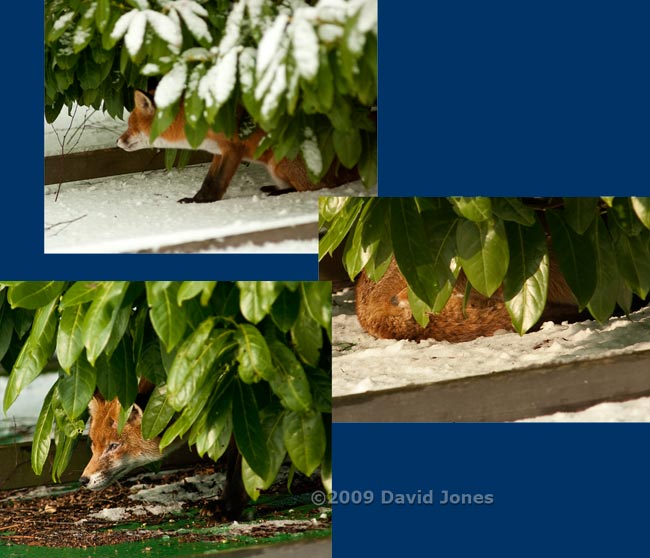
139,211
189,489
635,410
362,363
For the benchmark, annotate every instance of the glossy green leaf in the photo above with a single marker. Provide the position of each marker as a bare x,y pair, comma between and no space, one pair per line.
43,433
65,446
575,254
35,353
76,390
525,284
166,315
247,428
347,145
70,342
253,355
34,294
290,383
317,300
483,254
641,207
307,338
285,309
304,438
512,209
190,289
603,301
116,375
345,218
150,364
624,215
579,213
100,317
157,414
81,292
633,258
475,209
257,298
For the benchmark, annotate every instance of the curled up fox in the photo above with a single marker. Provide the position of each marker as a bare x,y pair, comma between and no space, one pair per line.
228,154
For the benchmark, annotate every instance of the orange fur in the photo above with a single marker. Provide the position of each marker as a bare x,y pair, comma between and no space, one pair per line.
229,153
383,309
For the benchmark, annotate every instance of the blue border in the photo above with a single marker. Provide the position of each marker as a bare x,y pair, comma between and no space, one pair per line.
556,489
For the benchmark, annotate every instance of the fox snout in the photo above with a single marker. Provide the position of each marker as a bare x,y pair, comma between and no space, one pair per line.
129,142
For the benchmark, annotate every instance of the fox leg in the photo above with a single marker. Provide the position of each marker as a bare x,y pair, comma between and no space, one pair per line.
222,169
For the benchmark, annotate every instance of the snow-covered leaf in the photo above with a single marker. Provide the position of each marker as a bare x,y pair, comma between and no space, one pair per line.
270,44
166,28
135,35
311,153
305,47
196,25
171,86
122,24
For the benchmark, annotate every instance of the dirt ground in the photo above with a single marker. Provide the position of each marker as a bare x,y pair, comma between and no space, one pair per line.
135,510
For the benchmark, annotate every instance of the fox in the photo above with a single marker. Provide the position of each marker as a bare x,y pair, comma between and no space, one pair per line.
383,309
115,454
289,175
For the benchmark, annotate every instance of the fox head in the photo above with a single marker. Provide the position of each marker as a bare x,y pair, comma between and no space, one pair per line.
139,124
115,454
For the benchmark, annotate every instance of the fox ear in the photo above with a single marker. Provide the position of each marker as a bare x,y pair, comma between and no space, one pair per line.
144,102
136,414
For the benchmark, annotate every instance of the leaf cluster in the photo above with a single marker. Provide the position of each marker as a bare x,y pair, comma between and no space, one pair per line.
306,72
602,246
248,359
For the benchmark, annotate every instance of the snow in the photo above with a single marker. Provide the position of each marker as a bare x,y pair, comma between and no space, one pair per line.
362,363
330,33
305,46
233,28
635,410
226,72
171,86
122,24
310,152
63,21
190,12
166,28
270,44
135,35
140,211
278,87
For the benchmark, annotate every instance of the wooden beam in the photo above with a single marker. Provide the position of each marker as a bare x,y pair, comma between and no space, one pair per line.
85,165
505,396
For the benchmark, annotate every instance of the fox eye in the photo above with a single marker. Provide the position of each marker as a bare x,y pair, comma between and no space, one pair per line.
113,446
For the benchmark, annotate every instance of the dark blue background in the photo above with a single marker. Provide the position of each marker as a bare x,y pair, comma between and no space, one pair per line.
559,489
512,97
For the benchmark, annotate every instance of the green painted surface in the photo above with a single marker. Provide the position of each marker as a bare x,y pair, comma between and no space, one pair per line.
160,548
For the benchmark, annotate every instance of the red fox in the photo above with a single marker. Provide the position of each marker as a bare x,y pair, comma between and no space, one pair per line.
229,153
383,309
114,455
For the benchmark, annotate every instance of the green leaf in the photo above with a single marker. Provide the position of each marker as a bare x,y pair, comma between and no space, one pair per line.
103,14
580,212
633,259
307,338
6,325
326,465
512,209
167,317
191,412
254,356
603,301
35,353
320,384
34,294
273,432
290,383
347,145
483,254
64,448
624,215
285,309
525,284
641,207
257,298
101,316
304,438
194,360
76,390
317,300
575,254
411,245
341,224
150,364
248,431
81,292
190,289
116,376
43,433
157,414
474,209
